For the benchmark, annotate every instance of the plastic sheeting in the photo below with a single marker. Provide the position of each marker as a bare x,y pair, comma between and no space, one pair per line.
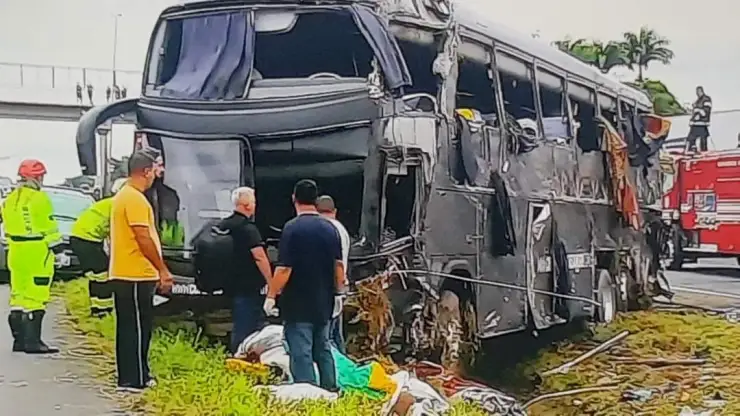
215,57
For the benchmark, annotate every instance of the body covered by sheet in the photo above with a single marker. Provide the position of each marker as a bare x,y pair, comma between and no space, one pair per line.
267,347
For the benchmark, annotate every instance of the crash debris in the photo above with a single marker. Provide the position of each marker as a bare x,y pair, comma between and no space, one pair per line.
420,389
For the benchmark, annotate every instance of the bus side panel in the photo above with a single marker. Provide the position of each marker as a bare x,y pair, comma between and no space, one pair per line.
502,310
573,229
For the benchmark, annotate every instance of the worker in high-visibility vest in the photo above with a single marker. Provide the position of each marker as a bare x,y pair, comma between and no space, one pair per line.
34,243
89,231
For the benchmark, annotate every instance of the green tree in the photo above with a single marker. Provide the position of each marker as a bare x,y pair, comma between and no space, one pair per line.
568,45
645,47
605,57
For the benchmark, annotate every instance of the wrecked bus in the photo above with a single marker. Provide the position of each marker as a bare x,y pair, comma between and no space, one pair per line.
477,170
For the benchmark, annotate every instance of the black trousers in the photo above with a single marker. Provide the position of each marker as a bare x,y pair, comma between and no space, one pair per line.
94,264
698,132
134,316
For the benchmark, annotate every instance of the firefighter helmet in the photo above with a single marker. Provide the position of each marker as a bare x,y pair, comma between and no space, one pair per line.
31,168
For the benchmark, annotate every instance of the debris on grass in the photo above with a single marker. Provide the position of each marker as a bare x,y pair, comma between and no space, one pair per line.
193,377
697,370
704,345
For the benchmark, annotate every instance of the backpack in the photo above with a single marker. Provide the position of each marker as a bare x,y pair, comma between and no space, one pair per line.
214,248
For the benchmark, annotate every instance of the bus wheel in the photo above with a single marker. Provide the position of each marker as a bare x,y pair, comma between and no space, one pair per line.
607,294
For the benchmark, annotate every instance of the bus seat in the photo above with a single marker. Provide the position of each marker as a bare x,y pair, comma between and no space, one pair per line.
420,102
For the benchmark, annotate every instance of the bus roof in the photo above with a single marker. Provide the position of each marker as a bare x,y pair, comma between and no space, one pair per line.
469,17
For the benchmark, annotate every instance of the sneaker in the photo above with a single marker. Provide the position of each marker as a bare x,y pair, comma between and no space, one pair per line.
151,383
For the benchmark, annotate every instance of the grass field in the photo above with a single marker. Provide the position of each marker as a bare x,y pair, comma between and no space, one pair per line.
192,376
668,335
193,379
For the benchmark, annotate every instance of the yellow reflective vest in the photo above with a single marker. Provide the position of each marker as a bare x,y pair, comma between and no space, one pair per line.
94,223
27,215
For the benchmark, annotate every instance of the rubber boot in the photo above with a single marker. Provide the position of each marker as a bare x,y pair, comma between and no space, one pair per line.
32,326
15,321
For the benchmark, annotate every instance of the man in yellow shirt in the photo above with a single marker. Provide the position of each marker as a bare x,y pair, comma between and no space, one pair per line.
136,271
86,239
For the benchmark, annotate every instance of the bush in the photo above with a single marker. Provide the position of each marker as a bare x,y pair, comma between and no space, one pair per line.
192,378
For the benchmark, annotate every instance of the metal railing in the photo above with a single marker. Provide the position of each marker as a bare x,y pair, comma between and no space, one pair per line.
65,84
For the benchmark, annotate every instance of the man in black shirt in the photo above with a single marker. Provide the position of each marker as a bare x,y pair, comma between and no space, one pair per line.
310,273
701,115
250,267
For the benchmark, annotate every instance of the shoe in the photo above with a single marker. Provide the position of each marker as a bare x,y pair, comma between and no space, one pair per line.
130,389
32,327
151,383
15,321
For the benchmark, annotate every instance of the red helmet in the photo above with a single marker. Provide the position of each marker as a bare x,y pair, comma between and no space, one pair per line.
31,168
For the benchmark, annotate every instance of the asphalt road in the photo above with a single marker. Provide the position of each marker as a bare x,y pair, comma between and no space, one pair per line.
44,385
701,283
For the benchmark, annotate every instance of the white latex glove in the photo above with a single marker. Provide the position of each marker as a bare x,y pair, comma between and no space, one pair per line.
338,305
59,259
269,307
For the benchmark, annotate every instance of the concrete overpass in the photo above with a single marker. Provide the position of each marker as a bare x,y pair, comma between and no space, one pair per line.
60,93
50,112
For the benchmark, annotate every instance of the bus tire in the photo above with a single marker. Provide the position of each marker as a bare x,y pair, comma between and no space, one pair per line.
607,295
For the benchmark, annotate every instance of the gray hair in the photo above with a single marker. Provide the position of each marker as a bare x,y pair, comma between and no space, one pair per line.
243,192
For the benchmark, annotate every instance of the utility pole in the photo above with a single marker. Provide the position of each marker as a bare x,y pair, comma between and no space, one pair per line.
115,45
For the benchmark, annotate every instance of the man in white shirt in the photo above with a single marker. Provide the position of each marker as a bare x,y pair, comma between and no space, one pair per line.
325,206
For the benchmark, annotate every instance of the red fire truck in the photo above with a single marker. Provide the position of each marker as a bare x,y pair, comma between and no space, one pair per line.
702,206
701,201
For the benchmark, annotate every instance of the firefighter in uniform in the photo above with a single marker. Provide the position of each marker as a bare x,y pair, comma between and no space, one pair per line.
88,233
34,241
701,115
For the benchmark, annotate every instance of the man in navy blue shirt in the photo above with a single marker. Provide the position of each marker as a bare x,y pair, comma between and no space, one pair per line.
310,273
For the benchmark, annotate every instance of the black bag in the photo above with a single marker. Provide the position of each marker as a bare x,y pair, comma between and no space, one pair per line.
214,248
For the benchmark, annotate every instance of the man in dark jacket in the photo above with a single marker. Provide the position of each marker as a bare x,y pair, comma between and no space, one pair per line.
701,114
309,275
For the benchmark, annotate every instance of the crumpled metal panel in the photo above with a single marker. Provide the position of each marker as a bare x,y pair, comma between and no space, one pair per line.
474,144
417,130
591,176
575,234
417,11
541,276
531,173
502,310
648,182
450,215
565,164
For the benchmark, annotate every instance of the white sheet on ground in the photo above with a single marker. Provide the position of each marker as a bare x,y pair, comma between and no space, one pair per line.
291,392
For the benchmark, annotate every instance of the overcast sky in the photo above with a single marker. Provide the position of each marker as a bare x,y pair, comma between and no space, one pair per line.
80,33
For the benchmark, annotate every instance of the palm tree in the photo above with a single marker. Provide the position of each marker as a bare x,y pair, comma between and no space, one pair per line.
609,56
645,47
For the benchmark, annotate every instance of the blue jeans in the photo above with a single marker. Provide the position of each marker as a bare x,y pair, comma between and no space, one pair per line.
309,343
336,335
247,316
